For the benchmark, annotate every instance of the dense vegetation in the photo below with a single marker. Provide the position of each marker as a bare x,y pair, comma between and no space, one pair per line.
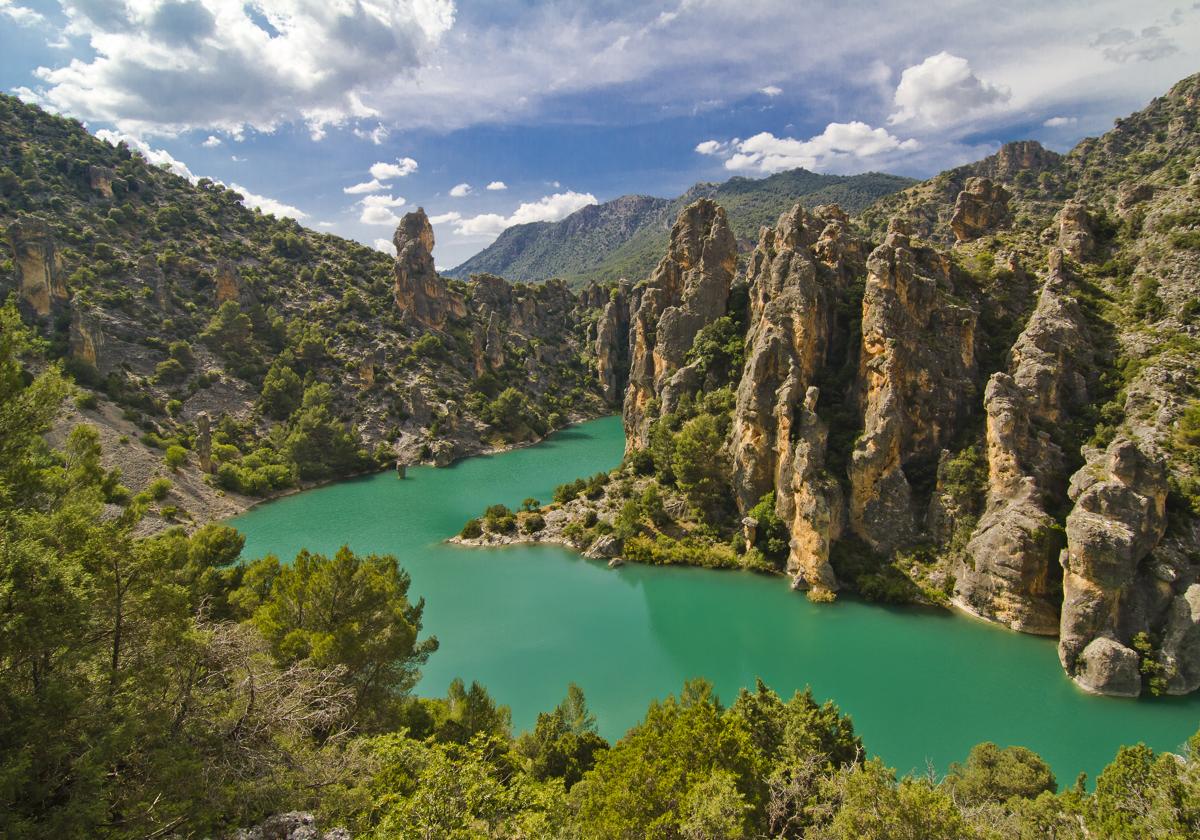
289,339
156,687
627,236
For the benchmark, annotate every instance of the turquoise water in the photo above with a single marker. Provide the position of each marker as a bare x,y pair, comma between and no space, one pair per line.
526,620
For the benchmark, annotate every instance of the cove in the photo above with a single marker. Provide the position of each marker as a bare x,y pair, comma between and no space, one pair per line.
921,686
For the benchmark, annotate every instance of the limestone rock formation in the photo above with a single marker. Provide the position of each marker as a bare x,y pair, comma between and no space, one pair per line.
1119,517
612,344
688,290
85,338
100,178
981,207
1016,157
420,293
1010,571
1075,231
1181,642
915,382
796,277
39,269
228,282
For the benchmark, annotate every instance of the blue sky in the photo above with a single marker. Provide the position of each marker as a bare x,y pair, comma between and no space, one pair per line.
559,104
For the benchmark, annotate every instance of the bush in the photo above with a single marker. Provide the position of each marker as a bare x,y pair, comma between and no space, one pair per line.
159,489
176,456
499,519
472,530
533,523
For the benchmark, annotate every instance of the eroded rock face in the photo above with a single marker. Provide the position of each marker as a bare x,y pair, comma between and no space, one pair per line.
1010,572
1119,517
777,442
228,282
85,339
612,344
420,293
1181,642
981,207
100,178
1075,231
915,383
38,264
688,290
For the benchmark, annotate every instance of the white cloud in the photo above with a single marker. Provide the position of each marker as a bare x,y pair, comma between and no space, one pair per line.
386,171
771,90
942,90
444,218
548,208
376,135
1056,122
1122,45
495,186
710,147
377,209
21,15
211,142
385,245
165,66
371,186
325,225
237,159
268,205
460,190
155,157
839,146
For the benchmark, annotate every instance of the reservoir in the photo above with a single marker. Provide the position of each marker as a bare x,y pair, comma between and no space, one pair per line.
922,686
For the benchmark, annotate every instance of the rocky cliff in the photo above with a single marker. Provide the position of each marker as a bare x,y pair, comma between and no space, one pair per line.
687,291
937,422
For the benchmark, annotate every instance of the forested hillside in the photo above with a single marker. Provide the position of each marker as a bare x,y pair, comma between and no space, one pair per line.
625,237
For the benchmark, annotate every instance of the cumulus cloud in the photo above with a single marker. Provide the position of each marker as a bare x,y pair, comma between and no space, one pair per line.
372,186
495,186
941,90
167,66
400,169
840,146
445,218
549,208
376,135
711,147
385,245
377,209
155,157
460,190
21,15
770,90
211,142
1057,122
268,205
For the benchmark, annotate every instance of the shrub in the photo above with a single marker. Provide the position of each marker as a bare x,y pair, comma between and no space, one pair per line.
533,523
176,456
159,488
472,530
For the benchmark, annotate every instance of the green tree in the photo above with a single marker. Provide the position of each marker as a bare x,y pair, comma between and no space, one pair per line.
564,742
996,775
697,463
350,612
282,390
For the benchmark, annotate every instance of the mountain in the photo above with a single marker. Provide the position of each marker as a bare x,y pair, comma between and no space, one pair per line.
981,395
626,236
236,354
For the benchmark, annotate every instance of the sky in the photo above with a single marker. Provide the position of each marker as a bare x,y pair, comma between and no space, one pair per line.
345,114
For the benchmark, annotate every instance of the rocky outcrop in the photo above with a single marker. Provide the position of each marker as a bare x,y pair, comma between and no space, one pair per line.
915,383
294,825
100,178
41,284
1009,572
688,290
85,338
420,293
1109,593
611,345
796,276
1076,234
1016,157
1181,642
980,208
228,282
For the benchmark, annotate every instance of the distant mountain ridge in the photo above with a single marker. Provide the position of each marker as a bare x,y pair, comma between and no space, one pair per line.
626,236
